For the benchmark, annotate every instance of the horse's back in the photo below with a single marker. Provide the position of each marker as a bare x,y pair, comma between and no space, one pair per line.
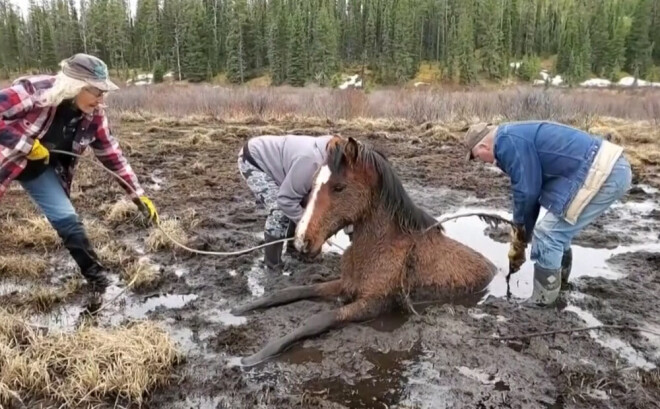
446,264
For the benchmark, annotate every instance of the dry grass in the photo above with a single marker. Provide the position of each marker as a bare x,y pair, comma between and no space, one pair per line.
31,232
22,266
91,366
121,211
40,299
158,238
113,254
414,105
140,274
199,137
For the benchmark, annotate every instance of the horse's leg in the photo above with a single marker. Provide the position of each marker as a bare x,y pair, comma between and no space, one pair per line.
290,294
360,310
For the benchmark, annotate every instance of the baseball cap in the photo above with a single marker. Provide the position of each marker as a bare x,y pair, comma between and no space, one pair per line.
87,68
474,135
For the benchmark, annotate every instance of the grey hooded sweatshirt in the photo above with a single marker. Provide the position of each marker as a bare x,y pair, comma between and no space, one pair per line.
292,161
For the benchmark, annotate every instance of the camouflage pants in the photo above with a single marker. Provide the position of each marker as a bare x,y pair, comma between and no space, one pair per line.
265,189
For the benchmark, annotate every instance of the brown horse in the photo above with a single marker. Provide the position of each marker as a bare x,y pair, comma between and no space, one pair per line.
395,249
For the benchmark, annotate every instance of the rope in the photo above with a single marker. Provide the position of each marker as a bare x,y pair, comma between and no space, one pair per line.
568,331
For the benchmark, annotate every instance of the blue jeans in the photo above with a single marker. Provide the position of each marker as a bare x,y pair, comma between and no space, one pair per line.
47,192
553,235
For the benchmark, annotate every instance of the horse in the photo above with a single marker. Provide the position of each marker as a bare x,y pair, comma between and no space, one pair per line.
396,248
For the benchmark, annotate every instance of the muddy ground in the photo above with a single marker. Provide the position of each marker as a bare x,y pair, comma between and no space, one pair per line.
433,360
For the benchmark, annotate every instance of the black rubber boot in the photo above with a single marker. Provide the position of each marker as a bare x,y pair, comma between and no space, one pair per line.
83,253
273,255
290,247
566,266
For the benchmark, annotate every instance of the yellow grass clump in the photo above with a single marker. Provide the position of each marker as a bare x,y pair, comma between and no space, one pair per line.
32,231
121,211
41,299
140,274
158,239
88,367
199,138
22,266
113,254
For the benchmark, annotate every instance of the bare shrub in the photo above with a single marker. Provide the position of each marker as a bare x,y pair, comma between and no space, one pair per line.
418,106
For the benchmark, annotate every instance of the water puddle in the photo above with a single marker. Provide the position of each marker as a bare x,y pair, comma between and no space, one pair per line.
11,288
379,389
255,278
223,317
300,356
622,348
482,377
156,180
586,261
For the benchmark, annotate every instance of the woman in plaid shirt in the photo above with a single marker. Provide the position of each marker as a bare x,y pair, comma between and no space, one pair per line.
62,112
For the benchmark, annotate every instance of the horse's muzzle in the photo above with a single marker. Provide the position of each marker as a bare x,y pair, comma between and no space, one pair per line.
302,245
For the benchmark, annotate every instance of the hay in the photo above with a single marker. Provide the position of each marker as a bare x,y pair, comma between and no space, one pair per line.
113,254
31,232
22,266
89,367
158,240
199,138
140,274
40,299
121,211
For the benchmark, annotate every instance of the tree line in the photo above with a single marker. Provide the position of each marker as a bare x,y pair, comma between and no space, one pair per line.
302,41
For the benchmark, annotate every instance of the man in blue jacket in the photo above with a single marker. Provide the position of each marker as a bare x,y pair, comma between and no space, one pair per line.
574,175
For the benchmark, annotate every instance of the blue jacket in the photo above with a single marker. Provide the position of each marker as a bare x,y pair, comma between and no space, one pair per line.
547,163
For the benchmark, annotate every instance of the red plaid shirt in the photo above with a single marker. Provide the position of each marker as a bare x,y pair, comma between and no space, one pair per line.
22,120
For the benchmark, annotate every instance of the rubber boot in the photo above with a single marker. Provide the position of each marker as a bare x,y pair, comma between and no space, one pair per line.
547,284
566,266
273,255
83,253
290,247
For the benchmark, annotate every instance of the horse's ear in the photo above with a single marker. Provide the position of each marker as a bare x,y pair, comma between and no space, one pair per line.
351,150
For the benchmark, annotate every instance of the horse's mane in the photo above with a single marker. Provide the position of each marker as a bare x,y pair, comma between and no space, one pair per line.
392,194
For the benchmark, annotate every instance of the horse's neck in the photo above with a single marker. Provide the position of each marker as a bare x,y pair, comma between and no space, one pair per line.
375,224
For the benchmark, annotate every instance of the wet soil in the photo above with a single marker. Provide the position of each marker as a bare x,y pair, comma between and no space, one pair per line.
434,360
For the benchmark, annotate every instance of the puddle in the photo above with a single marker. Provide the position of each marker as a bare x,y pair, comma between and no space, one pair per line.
586,261
622,348
379,389
156,180
300,356
64,319
181,271
254,278
482,377
223,317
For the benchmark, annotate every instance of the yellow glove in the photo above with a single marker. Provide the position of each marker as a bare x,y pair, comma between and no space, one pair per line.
38,152
150,208
517,249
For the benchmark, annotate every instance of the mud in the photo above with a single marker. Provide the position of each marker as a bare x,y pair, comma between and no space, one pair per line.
400,360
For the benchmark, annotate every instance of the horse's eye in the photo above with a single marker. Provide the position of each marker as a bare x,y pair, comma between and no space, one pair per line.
339,187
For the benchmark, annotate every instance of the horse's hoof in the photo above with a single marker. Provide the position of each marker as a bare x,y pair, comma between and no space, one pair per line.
252,360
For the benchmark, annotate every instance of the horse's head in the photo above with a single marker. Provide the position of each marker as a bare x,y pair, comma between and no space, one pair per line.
342,191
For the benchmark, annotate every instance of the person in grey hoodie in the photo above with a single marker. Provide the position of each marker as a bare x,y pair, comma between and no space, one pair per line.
279,170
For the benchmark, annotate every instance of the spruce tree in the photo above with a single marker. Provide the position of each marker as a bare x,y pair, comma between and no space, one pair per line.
465,39
638,44
493,62
325,47
195,61
599,39
235,45
296,73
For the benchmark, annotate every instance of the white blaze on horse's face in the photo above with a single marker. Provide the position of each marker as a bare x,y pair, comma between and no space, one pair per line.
321,179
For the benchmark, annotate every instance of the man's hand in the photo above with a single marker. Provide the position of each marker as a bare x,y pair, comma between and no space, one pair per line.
38,152
148,207
517,249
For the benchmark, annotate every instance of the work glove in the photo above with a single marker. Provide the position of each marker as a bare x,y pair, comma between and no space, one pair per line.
517,249
148,208
38,152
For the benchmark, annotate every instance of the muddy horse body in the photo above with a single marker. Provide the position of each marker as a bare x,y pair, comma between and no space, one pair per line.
397,253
